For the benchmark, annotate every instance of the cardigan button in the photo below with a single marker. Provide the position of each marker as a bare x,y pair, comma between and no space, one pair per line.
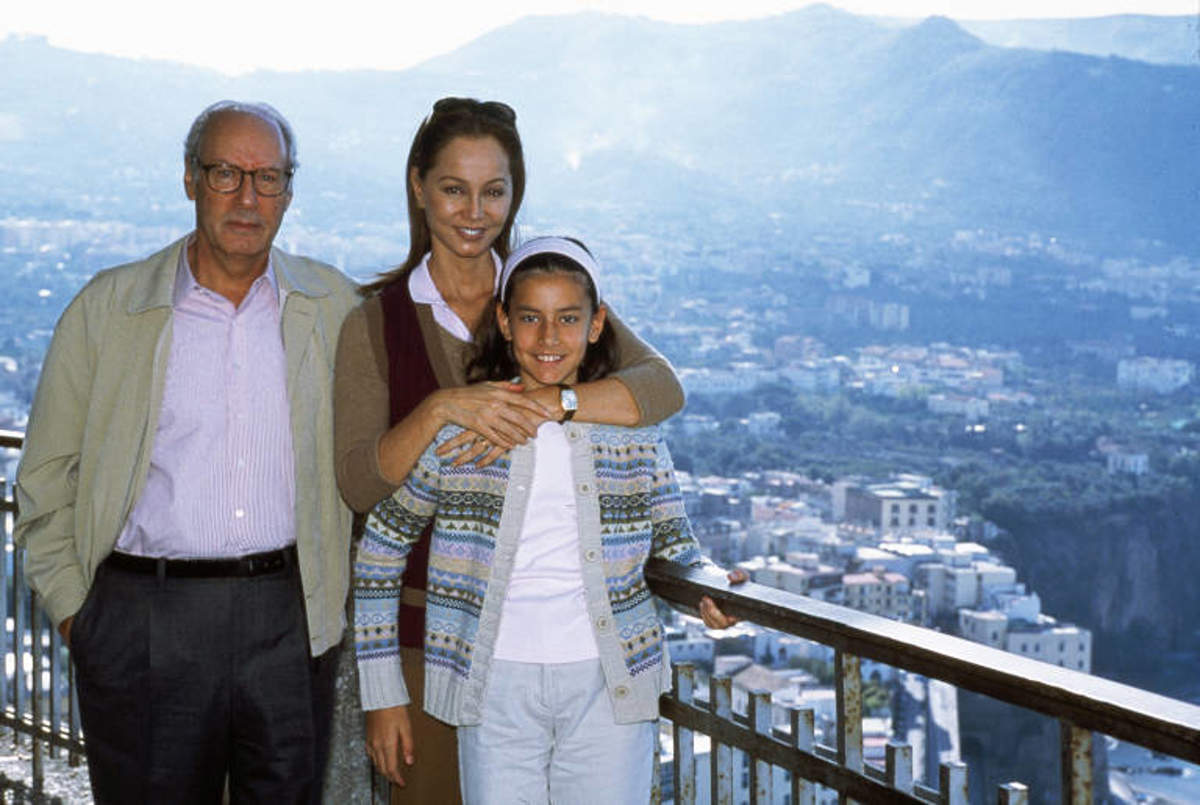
620,691
602,622
584,487
591,554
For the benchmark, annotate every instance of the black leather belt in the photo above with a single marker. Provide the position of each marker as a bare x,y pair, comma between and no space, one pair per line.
254,564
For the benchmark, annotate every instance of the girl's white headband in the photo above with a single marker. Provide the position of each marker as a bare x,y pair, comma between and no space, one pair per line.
549,245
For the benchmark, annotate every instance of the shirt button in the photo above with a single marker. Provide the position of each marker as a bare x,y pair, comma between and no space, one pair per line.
239,513
591,554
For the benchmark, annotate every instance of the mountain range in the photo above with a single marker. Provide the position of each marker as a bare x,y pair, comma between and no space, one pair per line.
816,121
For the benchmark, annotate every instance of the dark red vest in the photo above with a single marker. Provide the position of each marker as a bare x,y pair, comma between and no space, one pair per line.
410,380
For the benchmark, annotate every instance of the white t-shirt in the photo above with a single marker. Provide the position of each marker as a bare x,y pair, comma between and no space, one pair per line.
544,618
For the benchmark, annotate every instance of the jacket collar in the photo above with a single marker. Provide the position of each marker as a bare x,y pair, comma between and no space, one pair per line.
156,286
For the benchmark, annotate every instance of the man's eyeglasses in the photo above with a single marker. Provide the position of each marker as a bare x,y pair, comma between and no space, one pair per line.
224,178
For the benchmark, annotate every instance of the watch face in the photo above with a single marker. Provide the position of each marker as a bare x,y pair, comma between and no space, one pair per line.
569,400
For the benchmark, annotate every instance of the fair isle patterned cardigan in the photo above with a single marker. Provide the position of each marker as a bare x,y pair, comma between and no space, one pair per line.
629,508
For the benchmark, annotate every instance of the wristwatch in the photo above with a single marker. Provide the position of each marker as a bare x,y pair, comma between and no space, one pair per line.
569,401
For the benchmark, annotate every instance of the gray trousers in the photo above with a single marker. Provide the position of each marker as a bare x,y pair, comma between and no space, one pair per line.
186,682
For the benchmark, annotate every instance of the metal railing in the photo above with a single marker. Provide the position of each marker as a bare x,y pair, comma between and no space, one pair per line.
1082,704
37,697
37,693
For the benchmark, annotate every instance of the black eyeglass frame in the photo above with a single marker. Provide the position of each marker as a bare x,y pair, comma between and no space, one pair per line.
285,186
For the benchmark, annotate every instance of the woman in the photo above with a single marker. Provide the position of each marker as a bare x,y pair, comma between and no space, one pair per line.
400,373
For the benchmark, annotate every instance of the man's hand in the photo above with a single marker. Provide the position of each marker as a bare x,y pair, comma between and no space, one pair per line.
389,738
64,629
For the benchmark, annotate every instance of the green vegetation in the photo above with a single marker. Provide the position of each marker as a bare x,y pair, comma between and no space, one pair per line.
822,670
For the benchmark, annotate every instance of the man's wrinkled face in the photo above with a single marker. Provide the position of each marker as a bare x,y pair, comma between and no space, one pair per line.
241,224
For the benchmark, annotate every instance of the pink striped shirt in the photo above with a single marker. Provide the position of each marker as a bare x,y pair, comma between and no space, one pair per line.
221,481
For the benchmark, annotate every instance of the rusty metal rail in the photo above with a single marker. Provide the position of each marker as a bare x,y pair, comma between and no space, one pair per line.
1082,703
37,700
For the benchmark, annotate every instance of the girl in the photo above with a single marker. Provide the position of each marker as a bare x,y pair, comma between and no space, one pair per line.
541,639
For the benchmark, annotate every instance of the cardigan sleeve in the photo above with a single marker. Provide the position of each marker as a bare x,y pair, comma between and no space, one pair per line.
360,407
673,538
392,527
646,373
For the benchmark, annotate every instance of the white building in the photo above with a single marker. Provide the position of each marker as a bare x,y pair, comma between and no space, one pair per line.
1158,375
695,424
910,553
884,593
948,588
814,376
719,381
903,504
803,577
974,409
1127,461
689,645
1065,645
1042,639
764,423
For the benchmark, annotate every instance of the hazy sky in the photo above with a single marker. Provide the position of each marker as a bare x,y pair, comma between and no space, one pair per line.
239,35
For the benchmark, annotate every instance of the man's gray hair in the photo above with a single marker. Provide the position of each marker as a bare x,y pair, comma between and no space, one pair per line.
191,146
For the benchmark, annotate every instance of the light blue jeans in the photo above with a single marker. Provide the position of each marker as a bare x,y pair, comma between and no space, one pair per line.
548,736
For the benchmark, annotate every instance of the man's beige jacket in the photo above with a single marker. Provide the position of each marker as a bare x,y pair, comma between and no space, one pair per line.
94,417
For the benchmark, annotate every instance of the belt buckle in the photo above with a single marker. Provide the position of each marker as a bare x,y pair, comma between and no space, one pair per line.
256,565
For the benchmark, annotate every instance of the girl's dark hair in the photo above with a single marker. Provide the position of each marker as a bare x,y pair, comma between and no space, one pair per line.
451,118
494,358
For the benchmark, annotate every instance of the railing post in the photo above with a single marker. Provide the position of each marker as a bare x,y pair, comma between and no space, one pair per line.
1076,764
74,757
1013,794
760,770
720,700
35,692
803,723
685,751
8,583
381,788
899,766
20,610
952,783
56,677
849,712
656,775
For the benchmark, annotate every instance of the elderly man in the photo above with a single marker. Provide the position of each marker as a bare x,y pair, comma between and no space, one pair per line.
178,505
